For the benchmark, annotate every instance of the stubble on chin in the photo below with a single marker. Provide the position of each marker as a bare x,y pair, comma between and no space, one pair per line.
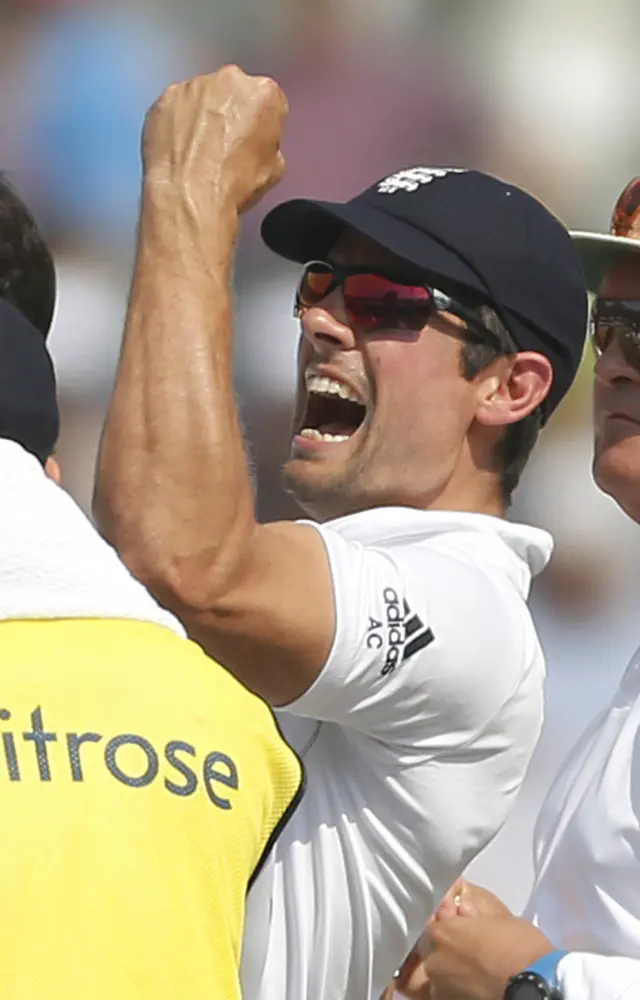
324,499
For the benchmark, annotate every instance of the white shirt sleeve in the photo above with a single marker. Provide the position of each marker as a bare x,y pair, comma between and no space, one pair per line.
598,977
429,648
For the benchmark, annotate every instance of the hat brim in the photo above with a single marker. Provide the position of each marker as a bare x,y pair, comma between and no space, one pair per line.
598,251
302,230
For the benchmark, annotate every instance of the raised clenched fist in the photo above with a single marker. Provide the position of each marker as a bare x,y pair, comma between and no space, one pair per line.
219,135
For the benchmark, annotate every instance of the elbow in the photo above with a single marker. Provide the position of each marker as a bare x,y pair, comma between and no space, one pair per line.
164,549
194,585
120,526
190,588
174,583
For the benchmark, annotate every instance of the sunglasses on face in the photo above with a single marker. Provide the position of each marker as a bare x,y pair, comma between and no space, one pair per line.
617,320
376,300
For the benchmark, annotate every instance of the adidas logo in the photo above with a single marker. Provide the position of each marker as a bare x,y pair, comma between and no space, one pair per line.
414,626
402,632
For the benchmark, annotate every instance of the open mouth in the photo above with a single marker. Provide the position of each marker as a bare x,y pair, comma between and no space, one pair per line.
334,412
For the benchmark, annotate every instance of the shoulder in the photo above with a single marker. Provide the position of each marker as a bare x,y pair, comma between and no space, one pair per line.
480,539
470,575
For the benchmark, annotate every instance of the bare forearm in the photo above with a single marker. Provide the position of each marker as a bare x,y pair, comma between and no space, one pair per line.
173,491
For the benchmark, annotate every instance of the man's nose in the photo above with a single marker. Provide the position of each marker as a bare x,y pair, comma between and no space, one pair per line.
326,326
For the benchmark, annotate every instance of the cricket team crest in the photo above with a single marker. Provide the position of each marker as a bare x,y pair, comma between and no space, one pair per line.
412,179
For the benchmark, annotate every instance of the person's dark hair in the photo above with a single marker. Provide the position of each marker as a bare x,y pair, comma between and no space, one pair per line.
516,444
27,272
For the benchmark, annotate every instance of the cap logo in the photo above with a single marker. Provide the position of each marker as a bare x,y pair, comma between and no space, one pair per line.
410,180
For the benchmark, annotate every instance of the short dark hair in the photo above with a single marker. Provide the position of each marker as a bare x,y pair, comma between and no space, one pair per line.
517,442
27,271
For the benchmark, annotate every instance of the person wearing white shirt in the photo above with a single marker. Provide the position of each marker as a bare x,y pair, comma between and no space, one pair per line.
443,318
580,938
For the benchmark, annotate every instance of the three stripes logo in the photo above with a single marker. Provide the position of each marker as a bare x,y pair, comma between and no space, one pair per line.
406,633
417,635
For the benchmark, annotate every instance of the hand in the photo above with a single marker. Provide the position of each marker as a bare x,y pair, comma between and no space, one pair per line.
218,134
472,957
463,899
412,981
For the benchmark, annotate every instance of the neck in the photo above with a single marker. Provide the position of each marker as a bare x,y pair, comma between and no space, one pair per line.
480,497
477,492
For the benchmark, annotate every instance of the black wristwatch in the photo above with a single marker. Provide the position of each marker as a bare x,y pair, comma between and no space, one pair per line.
537,982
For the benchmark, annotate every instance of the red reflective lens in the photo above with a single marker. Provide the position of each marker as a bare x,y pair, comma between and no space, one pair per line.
372,301
315,286
376,286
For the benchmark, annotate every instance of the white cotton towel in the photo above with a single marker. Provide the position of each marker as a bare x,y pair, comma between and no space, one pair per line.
53,562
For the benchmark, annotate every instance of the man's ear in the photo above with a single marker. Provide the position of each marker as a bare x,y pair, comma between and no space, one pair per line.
53,471
512,388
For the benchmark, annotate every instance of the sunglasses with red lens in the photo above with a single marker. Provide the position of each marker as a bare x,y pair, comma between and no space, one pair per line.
379,300
617,320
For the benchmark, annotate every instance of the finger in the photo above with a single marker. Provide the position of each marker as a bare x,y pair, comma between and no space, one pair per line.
467,909
448,908
407,969
435,930
389,993
272,94
412,981
280,166
456,891
275,91
441,931
284,103
451,901
484,901
232,71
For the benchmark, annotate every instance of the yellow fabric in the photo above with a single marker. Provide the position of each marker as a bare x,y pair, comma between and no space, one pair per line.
116,881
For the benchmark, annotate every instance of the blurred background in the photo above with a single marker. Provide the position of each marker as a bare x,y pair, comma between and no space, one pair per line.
537,92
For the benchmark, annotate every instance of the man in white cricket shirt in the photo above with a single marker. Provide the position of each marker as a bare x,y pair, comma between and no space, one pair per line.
583,941
443,316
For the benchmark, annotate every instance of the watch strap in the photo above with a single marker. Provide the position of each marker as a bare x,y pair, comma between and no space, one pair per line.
547,967
542,975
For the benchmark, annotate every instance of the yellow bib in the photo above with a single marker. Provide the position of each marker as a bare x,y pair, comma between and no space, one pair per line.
140,786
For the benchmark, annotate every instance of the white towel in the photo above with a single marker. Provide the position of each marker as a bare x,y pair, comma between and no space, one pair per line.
53,562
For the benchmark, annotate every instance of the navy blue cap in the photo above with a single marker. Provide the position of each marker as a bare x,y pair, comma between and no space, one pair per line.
28,404
472,230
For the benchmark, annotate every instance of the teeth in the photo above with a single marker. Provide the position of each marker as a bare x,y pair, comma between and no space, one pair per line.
330,387
314,435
